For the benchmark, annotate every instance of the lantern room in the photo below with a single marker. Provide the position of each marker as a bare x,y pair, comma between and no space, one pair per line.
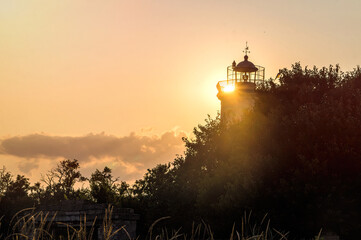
242,75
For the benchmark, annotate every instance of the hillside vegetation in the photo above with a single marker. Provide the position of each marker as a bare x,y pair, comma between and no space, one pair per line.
295,156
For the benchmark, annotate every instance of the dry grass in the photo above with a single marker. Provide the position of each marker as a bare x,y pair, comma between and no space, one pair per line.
25,226
28,225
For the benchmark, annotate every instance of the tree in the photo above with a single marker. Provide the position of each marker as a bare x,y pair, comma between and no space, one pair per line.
18,188
60,181
103,187
14,196
5,181
295,156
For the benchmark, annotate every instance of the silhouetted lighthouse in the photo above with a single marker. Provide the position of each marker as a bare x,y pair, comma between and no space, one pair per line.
237,92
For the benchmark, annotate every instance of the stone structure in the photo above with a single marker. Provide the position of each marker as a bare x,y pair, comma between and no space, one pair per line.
90,216
330,236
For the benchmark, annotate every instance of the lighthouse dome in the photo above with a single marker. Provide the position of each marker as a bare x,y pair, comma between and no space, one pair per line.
245,66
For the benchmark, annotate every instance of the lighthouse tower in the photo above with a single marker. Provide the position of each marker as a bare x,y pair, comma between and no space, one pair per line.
237,93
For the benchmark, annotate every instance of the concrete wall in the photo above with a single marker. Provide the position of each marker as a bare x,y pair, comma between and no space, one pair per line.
90,216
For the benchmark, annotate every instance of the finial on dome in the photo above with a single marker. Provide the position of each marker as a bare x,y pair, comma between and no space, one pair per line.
246,50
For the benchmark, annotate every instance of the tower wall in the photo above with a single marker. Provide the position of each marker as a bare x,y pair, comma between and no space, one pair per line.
235,103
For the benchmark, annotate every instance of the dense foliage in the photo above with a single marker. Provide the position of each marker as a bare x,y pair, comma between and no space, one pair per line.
295,156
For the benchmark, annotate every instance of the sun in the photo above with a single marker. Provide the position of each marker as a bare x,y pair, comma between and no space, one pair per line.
228,88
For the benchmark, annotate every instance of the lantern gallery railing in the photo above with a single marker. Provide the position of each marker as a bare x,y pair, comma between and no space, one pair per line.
226,86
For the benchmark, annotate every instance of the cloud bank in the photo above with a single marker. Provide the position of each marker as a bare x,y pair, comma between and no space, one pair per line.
132,154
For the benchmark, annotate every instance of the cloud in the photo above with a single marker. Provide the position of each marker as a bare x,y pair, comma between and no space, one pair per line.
131,155
27,166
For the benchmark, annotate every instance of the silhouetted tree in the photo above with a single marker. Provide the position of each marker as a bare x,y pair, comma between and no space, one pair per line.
295,155
14,196
103,187
60,181
5,181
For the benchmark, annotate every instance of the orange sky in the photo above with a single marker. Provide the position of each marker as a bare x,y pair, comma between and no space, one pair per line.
73,69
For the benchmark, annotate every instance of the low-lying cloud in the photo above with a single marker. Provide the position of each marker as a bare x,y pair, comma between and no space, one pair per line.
134,152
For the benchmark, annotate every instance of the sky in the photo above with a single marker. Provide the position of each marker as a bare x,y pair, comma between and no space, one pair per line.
119,83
